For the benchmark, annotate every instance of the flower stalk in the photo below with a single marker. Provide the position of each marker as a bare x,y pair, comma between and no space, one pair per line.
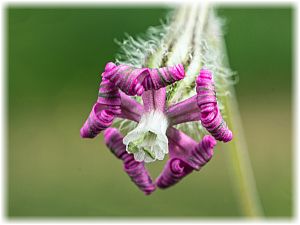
238,158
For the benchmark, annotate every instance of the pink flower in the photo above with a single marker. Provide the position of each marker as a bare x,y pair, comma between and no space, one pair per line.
155,135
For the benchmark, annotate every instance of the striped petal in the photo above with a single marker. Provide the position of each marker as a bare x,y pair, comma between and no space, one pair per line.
127,78
134,81
97,121
103,112
136,170
162,77
109,97
210,114
180,165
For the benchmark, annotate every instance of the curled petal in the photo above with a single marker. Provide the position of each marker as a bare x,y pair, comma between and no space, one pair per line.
178,167
97,121
109,97
173,172
131,109
134,81
210,117
162,77
202,153
104,110
136,170
126,77
186,155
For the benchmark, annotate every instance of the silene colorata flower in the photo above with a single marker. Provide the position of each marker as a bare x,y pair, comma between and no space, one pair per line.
145,97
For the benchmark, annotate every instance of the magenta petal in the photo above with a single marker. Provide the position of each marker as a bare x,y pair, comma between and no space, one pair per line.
211,117
202,153
183,144
180,165
109,96
174,171
126,77
103,112
134,81
130,109
162,77
184,111
97,121
136,170
154,100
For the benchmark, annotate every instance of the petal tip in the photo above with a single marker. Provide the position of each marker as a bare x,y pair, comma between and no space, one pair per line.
229,137
109,66
85,133
176,166
209,141
150,190
204,74
82,133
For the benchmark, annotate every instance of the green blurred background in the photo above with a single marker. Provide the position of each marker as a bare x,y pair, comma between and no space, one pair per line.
54,57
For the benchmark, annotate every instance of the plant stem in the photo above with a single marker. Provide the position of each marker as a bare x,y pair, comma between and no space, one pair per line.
239,162
238,157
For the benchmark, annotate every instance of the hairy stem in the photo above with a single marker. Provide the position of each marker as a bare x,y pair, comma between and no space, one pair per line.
239,160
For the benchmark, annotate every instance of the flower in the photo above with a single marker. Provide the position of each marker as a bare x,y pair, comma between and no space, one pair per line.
148,141
169,110
193,37
155,134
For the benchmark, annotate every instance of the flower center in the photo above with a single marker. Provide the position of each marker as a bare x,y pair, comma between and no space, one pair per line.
148,141
145,143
